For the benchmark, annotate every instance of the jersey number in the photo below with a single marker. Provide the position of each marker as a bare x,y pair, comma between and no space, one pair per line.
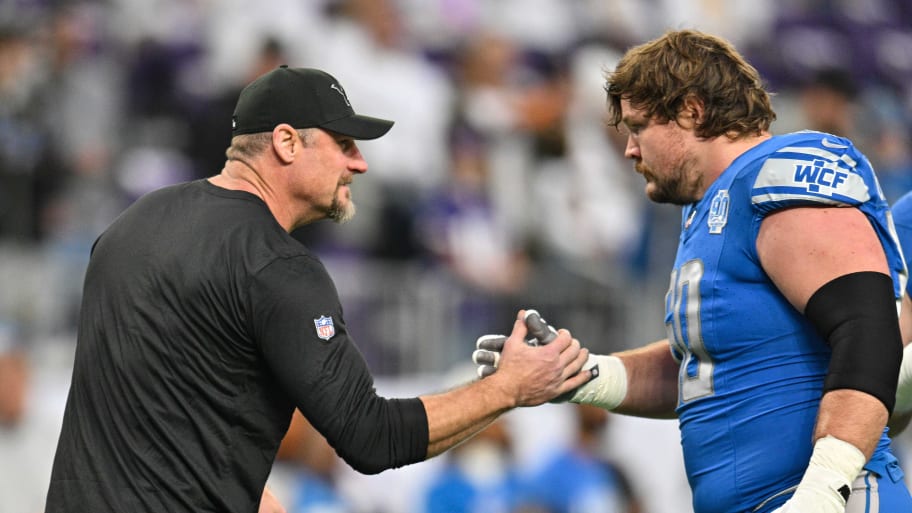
695,379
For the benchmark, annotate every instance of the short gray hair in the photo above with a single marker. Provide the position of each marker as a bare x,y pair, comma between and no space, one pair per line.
251,145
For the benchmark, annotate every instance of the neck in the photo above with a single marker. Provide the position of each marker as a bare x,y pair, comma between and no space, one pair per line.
725,151
242,175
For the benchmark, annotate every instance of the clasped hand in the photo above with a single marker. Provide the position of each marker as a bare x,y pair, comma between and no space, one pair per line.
489,349
534,374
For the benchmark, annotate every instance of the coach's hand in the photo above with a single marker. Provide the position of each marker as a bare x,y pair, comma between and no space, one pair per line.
607,384
533,375
488,347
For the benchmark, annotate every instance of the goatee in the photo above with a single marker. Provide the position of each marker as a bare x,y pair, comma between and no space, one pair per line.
340,213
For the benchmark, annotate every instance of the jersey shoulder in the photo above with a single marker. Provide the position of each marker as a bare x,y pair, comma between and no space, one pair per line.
811,169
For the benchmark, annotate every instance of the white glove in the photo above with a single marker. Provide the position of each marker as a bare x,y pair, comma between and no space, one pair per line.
827,481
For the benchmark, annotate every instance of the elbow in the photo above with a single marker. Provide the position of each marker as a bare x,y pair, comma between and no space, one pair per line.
373,461
366,464
384,434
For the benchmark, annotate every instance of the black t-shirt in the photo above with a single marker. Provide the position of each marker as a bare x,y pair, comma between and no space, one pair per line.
203,325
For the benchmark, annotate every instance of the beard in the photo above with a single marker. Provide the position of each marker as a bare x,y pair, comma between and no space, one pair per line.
340,212
666,191
676,189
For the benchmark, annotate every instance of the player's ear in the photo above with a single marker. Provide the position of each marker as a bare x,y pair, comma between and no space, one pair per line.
691,113
285,143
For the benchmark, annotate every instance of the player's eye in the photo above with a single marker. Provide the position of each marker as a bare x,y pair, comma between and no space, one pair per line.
636,127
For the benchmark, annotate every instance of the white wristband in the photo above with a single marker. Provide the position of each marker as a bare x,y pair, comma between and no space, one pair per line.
827,481
609,388
904,387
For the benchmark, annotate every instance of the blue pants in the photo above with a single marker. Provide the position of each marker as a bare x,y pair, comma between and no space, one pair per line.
880,488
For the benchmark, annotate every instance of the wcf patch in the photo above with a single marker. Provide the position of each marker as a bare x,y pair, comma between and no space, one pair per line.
820,174
325,327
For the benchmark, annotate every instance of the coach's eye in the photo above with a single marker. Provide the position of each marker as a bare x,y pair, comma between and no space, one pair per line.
346,144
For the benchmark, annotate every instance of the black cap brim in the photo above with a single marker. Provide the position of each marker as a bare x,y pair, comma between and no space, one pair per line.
359,127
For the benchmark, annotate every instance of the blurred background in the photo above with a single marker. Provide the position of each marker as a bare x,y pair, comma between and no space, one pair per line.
498,188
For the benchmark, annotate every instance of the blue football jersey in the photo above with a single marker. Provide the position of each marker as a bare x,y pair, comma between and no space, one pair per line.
752,366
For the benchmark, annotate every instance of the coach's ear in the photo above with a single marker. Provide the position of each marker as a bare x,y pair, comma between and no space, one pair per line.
285,143
691,113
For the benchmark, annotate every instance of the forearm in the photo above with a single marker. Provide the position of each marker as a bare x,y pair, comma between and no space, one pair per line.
528,376
652,381
852,416
640,382
458,414
849,425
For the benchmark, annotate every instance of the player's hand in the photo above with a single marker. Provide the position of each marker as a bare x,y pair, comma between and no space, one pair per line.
827,482
607,383
539,332
533,375
487,354
824,505
543,333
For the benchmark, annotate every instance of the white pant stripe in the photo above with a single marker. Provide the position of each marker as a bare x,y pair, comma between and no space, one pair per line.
865,496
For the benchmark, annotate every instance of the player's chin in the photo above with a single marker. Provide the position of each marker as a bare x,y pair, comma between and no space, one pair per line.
658,194
653,191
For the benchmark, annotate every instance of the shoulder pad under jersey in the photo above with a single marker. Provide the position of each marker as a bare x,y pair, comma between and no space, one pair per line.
818,170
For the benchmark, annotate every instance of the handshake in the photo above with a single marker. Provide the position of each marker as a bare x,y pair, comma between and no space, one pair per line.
607,385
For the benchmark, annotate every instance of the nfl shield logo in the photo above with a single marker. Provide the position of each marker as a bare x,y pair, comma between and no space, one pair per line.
325,327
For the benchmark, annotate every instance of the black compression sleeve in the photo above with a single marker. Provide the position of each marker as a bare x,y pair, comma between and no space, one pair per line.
856,315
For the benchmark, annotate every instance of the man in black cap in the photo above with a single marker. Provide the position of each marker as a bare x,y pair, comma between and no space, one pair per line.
204,324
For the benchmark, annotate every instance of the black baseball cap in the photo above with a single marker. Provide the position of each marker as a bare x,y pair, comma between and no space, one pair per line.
303,98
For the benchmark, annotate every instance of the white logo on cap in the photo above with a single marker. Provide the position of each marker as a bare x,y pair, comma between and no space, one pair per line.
341,91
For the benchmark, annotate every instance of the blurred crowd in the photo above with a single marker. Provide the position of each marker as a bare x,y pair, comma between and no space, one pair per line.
500,179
